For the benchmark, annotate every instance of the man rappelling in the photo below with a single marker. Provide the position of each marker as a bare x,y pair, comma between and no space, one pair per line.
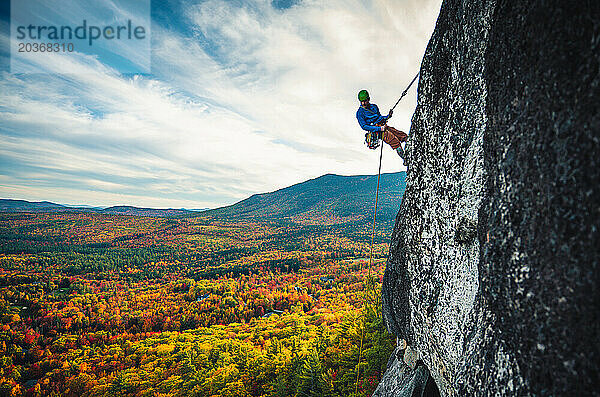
375,124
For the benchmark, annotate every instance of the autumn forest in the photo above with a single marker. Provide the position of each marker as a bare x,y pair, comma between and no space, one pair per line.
115,305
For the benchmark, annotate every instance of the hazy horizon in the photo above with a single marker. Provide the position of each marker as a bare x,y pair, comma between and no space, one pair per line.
83,205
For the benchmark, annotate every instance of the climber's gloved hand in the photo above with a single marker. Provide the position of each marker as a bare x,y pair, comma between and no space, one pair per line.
383,128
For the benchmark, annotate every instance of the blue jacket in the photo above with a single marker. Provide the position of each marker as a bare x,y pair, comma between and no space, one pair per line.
368,118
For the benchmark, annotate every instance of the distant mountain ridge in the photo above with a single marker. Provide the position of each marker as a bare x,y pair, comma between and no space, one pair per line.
328,199
10,205
7,205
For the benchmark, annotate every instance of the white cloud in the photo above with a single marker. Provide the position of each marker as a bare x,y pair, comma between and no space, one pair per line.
259,99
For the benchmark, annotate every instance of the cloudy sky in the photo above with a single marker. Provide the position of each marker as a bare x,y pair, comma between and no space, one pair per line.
243,97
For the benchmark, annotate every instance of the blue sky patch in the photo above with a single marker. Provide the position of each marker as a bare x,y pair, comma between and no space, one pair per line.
284,4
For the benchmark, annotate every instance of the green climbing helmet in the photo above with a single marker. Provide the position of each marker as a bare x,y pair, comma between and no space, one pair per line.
363,95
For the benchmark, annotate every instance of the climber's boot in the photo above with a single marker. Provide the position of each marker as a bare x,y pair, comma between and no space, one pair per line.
400,152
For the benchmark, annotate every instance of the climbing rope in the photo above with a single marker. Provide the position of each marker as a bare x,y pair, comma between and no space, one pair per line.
362,336
375,213
406,90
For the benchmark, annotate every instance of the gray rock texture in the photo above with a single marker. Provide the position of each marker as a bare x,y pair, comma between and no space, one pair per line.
493,268
402,381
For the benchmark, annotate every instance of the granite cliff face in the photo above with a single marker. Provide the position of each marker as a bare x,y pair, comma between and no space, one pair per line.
492,276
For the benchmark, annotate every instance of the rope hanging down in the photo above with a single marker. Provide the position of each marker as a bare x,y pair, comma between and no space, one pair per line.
362,336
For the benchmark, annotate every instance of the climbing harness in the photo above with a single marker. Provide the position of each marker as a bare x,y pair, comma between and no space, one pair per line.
372,139
362,336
